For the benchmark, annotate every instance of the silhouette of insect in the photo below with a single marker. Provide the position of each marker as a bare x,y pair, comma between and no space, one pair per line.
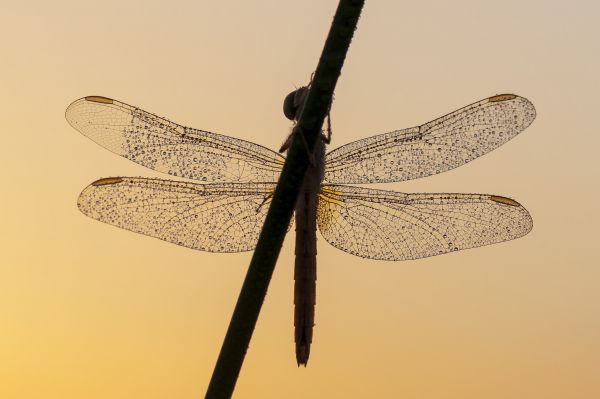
225,212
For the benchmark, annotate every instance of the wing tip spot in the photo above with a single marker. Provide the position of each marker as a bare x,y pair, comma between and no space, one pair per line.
99,99
504,200
107,180
502,97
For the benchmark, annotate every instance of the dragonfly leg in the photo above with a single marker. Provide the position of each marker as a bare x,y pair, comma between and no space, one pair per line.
286,144
264,201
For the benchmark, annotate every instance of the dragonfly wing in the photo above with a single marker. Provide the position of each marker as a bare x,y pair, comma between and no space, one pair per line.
378,224
224,217
167,147
435,147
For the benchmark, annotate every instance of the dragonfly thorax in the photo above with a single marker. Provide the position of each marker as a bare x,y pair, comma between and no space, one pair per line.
293,105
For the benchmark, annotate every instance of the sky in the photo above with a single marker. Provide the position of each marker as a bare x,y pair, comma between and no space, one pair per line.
91,311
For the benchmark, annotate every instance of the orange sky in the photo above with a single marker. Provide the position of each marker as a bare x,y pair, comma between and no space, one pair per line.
91,311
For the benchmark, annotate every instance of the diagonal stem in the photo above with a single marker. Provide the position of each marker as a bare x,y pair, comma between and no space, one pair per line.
269,244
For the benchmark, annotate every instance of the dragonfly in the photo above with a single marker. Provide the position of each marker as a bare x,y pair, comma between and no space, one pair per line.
224,209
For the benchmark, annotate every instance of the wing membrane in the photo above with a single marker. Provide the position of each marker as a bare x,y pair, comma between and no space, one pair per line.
167,147
378,224
209,217
440,145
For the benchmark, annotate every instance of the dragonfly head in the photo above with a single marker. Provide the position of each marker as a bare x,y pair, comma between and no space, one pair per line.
293,103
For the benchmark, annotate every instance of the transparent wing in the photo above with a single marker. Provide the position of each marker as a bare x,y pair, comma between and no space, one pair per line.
210,217
434,147
170,148
378,224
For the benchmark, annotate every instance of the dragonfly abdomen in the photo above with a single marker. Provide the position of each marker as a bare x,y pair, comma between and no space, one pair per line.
305,273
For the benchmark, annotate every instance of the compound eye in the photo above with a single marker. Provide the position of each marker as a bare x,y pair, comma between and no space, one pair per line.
289,106
293,103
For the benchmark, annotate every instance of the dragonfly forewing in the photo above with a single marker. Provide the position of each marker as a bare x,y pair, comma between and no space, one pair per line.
162,145
440,145
389,225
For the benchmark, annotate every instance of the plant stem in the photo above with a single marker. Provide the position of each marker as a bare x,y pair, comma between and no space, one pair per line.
271,238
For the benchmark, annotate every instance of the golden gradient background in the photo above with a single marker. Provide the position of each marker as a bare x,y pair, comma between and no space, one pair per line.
91,311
